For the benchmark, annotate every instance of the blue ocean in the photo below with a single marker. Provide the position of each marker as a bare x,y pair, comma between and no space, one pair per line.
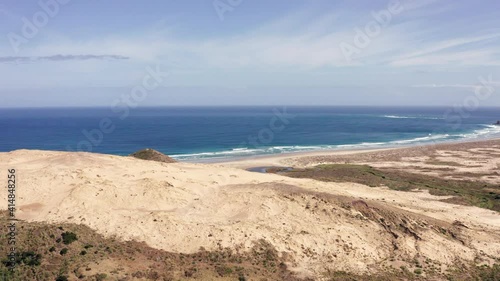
215,133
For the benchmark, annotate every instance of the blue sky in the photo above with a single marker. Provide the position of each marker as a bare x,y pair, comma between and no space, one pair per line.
249,52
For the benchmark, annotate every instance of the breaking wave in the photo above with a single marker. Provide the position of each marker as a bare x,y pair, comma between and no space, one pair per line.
411,117
485,132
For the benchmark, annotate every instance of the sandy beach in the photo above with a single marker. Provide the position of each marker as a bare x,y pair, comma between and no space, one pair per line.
318,225
312,157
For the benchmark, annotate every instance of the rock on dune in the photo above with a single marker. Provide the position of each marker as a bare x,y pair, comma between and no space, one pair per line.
153,155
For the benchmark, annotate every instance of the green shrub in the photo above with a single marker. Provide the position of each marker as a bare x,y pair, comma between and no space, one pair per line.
223,270
31,258
69,237
63,251
101,276
489,273
62,278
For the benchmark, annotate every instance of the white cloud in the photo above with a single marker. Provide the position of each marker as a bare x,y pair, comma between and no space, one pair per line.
302,43
299,40
462,58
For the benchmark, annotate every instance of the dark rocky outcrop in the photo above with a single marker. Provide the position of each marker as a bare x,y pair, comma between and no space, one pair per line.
153,155
497,123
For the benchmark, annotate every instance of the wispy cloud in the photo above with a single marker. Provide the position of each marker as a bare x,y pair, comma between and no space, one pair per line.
20,59
458,51
309,47
489,83
443,86
301,41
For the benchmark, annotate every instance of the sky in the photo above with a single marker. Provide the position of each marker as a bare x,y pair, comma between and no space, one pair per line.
249,52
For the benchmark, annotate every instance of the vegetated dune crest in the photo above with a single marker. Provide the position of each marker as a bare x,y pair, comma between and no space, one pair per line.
181,207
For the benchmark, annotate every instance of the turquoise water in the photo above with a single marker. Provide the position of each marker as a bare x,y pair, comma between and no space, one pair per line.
208,133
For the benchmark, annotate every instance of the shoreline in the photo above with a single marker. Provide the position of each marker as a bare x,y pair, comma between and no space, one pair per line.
263,151
254,161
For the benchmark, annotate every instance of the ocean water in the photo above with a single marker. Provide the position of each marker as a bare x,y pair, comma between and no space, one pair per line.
214,133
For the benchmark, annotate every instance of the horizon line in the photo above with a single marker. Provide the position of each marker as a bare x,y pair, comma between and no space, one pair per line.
236,105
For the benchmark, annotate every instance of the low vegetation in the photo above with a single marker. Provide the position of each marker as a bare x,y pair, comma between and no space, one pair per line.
466,192
68,237
70,252
109,259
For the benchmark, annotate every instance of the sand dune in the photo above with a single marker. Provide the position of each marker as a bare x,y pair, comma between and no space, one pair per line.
181,207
